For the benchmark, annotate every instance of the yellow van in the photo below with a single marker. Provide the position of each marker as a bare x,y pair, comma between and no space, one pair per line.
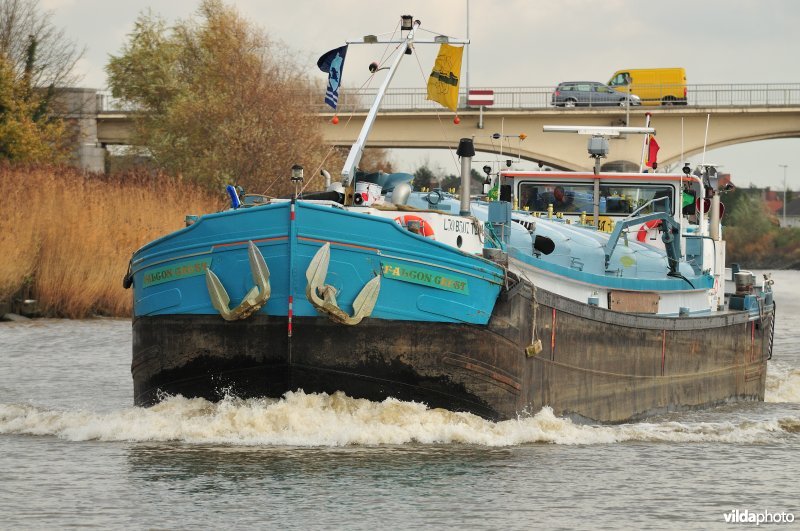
655,86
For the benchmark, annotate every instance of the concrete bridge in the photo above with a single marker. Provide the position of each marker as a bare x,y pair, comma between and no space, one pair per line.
677,128
738,114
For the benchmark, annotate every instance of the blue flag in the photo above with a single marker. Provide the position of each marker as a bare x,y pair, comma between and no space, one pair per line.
332,63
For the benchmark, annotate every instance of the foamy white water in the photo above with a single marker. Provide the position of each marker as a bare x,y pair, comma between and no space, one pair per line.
783,383
74,452
302,419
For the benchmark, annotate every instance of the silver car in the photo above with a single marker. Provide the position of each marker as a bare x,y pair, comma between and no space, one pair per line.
591,94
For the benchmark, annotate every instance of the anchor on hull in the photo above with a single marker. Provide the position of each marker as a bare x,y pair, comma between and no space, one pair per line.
255,298
323,296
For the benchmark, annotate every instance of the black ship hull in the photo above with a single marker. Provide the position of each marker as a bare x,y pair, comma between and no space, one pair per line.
594,363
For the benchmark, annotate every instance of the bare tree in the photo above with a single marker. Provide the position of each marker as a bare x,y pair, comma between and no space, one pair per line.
23,25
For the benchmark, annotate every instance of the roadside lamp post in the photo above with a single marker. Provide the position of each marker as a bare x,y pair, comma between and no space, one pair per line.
784,166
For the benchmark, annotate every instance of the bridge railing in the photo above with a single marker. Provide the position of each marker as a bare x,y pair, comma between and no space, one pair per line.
524,98
106,102
773,94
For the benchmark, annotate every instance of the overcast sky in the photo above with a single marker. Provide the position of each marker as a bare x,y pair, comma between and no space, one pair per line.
518,43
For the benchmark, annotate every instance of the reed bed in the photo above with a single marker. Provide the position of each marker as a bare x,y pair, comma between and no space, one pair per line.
66,237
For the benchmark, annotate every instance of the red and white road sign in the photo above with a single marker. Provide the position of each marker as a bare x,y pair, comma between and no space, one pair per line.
477,98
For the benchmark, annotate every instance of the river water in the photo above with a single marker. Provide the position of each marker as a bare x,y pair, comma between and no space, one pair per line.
75,453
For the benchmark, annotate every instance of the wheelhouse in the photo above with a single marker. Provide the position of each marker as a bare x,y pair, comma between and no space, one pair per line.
570,195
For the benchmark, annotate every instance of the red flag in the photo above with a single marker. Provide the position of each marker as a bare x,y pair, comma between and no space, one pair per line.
652,152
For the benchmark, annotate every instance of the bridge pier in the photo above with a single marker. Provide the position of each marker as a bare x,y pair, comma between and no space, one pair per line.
79,107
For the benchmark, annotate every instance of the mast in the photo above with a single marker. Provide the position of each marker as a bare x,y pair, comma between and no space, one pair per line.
357,150
466,73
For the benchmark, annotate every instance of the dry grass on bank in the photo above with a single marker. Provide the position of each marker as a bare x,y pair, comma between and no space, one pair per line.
66,238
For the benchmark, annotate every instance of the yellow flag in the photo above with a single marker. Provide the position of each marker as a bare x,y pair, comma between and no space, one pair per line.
443,83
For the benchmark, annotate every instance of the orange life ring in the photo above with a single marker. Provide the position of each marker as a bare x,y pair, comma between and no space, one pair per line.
642,234
425,227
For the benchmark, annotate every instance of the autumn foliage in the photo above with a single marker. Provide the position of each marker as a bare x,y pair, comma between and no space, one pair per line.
28,131
753,236
220,102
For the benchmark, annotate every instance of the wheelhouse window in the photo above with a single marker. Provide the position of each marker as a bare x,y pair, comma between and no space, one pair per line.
574,198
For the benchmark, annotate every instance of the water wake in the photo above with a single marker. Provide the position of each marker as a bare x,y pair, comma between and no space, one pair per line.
783,383
301,419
